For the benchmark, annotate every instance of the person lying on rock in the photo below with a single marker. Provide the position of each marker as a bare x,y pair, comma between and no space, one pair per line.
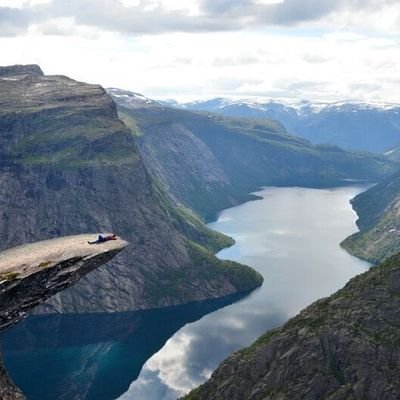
102,239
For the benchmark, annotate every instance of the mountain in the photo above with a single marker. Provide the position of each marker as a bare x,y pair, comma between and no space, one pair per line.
69,165
209,161
131,99
379,221
350,125
341,347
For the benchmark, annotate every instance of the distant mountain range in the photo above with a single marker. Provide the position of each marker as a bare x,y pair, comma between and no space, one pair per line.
351,125
209,161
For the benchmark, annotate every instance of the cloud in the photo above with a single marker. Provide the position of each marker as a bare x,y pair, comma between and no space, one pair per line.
13,21
160,16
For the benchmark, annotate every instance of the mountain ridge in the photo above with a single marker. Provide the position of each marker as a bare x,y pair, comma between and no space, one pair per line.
352,125
209,161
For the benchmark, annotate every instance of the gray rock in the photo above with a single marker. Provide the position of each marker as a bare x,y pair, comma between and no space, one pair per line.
32,273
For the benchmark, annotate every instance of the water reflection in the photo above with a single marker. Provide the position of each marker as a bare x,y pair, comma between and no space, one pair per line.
92,356
291,236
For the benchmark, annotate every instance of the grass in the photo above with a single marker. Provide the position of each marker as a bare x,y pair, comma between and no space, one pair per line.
44,264
9,276
203,267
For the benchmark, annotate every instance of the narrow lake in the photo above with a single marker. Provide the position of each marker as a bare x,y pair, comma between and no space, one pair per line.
291,236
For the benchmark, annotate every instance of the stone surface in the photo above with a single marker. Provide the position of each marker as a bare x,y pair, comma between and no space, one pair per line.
32,273
342,347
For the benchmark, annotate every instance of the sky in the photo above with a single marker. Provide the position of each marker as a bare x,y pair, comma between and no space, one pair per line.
320,50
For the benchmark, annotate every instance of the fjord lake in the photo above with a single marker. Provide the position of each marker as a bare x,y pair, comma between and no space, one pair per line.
291,236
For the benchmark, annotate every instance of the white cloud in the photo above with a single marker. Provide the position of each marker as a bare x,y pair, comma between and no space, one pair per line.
22,3
322,60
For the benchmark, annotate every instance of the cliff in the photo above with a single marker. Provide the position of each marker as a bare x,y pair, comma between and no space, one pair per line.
378,211
342,347
69,165
209,161
32,273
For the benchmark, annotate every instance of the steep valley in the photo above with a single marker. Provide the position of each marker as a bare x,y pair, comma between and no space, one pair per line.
208,161
71,163
69,166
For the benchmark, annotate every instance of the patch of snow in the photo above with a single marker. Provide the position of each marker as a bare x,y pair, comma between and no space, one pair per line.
390,152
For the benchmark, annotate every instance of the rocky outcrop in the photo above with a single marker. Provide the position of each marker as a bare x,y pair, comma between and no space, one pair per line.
19,70
31,274
209,162
342,347
69,166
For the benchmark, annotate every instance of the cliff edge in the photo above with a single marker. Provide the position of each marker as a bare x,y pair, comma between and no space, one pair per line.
32,273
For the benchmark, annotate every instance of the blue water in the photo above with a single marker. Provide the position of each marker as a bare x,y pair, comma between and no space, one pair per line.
291,236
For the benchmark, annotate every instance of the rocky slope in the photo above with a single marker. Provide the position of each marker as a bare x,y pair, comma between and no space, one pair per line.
68,166
378,210
351,125
208,161
342,347
32,273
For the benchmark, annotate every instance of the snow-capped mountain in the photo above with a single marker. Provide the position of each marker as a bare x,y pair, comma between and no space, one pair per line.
131,99
352,125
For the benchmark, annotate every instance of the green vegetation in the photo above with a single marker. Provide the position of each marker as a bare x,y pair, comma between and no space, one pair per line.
131,123
378,210
9,276
73,138
187,222
44,264
204,267
245,154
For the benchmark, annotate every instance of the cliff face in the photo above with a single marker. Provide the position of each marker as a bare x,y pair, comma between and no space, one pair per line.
30,274
209,161
69,165
378,210
342,347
